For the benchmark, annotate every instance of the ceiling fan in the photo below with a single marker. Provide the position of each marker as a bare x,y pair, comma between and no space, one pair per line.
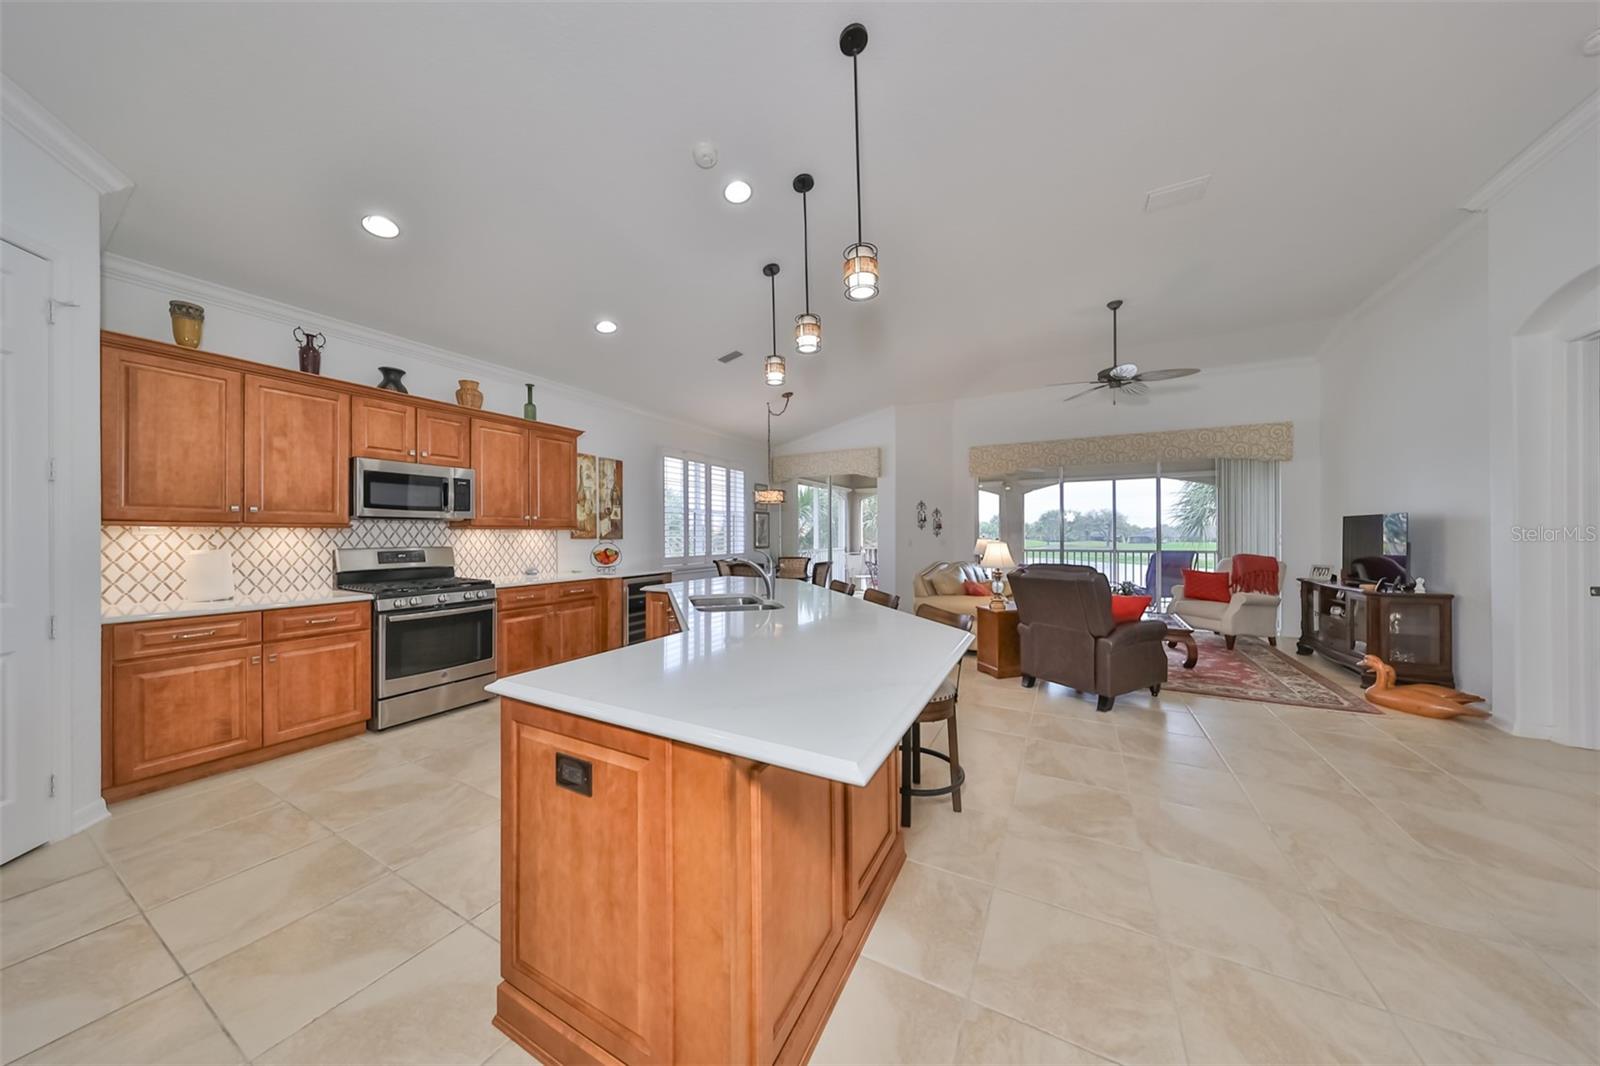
1124,378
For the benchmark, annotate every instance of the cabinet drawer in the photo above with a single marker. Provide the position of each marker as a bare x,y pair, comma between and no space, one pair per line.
141,640
538,595
316,621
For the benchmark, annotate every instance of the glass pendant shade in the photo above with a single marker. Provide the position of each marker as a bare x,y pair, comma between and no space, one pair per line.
775,370
861,271
808,334
769,495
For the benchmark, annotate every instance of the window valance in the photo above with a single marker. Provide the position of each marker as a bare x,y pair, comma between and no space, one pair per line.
1259,440
867,462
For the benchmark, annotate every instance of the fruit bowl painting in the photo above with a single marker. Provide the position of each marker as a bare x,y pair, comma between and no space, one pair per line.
605,555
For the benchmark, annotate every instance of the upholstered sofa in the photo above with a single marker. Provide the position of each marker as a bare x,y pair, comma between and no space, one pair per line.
1246,614
940,585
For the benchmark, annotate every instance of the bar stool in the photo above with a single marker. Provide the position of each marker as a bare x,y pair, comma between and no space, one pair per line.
820,572
941,707
842,586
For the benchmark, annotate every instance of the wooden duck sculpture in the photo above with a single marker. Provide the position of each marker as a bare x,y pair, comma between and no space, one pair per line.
1430,701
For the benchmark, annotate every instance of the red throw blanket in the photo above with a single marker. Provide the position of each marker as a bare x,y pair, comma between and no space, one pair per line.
1255,573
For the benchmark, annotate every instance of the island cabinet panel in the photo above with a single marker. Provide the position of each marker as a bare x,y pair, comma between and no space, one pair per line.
296,453
713,924
181,710
659,618
872,825
586,924
444,439
383,429
503,457
315,684
171,440
555,481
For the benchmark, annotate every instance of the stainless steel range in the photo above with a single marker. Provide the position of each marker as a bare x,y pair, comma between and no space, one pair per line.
435,631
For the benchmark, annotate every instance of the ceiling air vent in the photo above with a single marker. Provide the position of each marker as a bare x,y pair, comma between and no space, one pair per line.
1172,195
730,357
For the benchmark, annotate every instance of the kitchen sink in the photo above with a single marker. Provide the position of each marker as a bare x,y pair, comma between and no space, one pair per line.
733,603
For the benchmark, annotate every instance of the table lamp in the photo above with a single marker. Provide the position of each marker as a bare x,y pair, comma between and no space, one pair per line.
997,557
977,549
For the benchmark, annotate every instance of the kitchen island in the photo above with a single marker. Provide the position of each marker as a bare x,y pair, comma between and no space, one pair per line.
698,831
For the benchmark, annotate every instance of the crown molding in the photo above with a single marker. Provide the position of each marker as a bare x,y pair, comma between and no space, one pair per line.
28,117
1571,126
171,284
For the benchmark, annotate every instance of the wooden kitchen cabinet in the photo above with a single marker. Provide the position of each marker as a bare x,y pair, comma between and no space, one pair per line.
383,429
502,455
180,710
171,440
871,826
579,629
659,617
296,453
315,684
555,480
444,439
527,639
541,625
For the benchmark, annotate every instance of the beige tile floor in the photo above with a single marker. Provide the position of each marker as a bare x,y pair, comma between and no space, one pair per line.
1183,879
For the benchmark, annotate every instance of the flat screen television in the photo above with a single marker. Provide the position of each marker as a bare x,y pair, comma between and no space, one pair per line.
1369,539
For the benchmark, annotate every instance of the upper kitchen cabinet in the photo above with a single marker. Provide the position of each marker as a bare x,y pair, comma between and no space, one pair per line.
502,455
555,478
444,439
171,440
383,429
296,453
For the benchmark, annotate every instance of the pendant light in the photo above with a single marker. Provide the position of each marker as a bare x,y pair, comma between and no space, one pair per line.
807,327
861,258
769,494
775,365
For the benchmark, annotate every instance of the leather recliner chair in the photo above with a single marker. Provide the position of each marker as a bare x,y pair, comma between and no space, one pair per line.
1067,635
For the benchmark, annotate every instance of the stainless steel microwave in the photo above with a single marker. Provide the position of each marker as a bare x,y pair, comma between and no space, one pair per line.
380,488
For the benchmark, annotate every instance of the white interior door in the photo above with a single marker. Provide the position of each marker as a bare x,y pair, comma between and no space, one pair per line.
26,745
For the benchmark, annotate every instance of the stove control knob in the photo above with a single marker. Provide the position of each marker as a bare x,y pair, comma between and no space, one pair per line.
443,598
414,601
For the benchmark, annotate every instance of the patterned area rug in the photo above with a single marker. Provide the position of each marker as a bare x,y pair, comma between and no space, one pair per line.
1255,671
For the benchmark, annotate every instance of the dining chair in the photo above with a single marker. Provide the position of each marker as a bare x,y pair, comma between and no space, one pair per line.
820,572
724,567
741,568
842,586
882,599
941,707
793,566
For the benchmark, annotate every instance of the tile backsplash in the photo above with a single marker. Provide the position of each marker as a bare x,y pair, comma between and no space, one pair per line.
143,564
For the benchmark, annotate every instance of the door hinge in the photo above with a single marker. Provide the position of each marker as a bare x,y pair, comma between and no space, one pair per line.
52,627
53,304
52,784
50,470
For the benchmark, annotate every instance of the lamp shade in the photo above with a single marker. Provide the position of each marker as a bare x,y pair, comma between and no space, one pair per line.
977,549
997,555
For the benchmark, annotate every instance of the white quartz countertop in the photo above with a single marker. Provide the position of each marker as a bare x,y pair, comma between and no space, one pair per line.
261,601
825,685
556,577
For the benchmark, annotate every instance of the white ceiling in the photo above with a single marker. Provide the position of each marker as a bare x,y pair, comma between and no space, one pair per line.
538,158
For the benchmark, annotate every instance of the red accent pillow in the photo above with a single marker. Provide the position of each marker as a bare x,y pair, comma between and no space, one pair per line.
1128,608
1206,585
977,588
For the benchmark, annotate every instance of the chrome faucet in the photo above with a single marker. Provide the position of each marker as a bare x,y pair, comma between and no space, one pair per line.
764,572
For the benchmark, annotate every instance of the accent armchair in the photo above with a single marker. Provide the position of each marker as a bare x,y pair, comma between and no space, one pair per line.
1246,614
1068,636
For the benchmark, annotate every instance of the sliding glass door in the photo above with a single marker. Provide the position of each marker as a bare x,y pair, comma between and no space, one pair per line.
836,522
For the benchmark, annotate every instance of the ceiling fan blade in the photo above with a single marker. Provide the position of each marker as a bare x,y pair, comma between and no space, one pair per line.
1135,387
1064,384
1168,375
1085,392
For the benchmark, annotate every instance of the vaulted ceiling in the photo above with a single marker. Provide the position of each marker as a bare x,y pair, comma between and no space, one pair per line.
538,158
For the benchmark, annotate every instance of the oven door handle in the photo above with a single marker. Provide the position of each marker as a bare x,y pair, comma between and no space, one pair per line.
423,612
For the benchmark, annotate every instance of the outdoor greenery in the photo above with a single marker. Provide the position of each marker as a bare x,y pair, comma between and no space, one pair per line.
1194,514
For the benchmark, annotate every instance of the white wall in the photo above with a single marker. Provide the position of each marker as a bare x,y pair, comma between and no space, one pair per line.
50,210
1405,407
250,327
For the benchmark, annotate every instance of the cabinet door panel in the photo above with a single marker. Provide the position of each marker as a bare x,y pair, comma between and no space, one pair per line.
502,456
586,929
799,895
314,684
174,712
872,818
296,454
444,440
579,624
555,482
383,429
527,640
171,433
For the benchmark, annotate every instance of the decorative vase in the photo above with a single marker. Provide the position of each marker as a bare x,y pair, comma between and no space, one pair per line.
187,322
469,395
310,350
391,379
530,410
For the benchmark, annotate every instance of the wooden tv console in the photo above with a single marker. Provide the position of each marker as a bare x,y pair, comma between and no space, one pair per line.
1411,631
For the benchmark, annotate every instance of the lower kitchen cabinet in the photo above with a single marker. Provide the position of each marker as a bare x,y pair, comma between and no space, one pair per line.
541,625
314,684
527,640
185,698
659,618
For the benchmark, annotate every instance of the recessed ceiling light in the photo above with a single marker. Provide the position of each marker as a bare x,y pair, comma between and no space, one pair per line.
605,325
381,226
736,192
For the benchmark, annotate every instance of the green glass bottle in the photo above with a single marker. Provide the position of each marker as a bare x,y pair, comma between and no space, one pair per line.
530,410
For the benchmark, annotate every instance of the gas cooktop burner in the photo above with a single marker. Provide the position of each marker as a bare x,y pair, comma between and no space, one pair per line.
400,578
421,585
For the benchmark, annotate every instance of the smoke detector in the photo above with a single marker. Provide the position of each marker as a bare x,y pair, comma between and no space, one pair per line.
1183,192
705,155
